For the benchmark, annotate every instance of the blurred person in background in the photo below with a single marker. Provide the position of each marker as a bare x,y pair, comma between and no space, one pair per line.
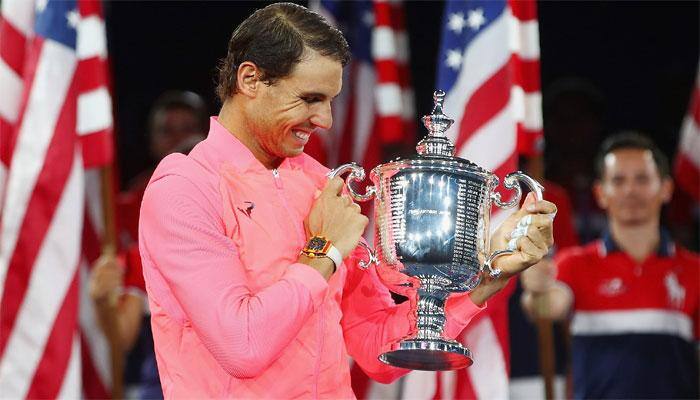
633,294
177,121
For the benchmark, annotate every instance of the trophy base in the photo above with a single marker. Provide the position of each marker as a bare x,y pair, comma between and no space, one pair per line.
428,355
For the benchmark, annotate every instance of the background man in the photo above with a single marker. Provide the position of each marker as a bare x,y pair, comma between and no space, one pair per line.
634,294
241,306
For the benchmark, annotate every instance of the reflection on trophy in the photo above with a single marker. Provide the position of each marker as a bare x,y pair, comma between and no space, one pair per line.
432,236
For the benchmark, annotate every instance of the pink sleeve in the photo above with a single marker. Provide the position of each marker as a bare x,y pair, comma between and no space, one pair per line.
182,241
372,322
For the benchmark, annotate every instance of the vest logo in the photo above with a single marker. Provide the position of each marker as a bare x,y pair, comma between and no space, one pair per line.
612,287
674,290
249,208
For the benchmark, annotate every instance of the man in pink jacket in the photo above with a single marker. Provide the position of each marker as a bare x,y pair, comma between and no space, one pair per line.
238,309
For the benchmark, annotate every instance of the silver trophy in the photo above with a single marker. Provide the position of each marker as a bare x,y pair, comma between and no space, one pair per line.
431,235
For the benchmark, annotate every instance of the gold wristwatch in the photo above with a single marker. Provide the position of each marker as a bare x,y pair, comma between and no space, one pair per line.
319,246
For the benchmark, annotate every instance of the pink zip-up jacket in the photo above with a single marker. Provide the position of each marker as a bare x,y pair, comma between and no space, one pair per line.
233,312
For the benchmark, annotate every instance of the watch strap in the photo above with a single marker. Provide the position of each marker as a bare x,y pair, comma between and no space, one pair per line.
335,256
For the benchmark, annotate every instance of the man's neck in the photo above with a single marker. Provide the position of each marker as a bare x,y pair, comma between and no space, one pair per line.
639,241
231,118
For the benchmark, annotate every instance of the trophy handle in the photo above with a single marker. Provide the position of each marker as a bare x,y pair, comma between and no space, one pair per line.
511,182
357,174
372,258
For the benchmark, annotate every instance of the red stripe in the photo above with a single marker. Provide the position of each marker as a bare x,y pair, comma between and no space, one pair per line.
398,20
463,387
6,137
530,142
98,148
382,14
387,71
526,73
486,102
359,381
524,10
12,46
93,387
92,73
688,176
90,7
52,368
42,206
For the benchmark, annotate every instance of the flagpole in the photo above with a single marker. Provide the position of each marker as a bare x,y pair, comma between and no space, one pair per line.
545,335
109,249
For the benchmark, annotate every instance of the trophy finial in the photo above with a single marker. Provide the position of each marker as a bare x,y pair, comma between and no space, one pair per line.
437,123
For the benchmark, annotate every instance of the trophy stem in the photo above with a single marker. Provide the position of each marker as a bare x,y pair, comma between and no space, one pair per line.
429,350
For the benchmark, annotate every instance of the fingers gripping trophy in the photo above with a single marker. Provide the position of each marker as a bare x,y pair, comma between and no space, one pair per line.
431,235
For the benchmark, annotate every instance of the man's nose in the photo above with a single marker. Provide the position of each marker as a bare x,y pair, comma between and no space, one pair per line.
323,116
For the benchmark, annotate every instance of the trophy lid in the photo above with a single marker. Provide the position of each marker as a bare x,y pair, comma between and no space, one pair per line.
437,123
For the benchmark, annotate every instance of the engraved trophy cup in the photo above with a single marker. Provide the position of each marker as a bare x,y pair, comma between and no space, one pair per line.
431,236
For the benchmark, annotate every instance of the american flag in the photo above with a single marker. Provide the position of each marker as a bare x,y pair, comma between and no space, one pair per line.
55,123
489,67
687,168
375,107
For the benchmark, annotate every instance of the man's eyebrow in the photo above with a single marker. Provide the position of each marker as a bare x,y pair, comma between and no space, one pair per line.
314,94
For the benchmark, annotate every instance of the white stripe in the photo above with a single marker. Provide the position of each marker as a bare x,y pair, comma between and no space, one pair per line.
72,381
11,89
690,140
527,107
20,13
91,38
388,98
523,38
364,110
646,321
53,75
488,373
51,277
419,385
94,111
382,391
383,43
448,385
493,143
95,339
481,60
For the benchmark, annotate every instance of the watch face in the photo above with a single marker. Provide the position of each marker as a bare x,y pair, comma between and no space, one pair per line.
316,244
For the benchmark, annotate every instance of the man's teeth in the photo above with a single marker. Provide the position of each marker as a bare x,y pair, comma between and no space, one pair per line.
301,135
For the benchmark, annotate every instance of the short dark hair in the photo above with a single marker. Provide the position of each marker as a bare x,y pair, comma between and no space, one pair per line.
180,100
631,140
274,39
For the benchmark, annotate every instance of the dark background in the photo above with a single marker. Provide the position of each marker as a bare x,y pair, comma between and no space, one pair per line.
642,57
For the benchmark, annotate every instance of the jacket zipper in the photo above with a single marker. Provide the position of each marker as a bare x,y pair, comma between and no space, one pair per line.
280,192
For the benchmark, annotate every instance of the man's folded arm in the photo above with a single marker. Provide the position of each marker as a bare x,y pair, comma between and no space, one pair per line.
196,272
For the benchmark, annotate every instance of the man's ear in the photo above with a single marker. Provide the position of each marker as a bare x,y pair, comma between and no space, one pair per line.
599,194
247,79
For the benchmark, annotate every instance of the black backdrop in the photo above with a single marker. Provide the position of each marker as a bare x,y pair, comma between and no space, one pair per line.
641,55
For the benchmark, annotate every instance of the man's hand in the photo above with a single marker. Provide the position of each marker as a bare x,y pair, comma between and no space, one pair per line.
106,277
540,277
530,246
336,217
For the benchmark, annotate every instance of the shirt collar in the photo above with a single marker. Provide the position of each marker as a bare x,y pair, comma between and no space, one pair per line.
231,150
666,246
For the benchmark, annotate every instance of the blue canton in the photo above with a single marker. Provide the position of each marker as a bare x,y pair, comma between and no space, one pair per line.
462,22
57,20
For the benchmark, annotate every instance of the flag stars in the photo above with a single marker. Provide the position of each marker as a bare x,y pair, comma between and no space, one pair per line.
456,22
73,18
476,19
454,59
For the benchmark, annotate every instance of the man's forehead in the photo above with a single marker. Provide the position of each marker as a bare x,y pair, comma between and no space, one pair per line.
629,158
